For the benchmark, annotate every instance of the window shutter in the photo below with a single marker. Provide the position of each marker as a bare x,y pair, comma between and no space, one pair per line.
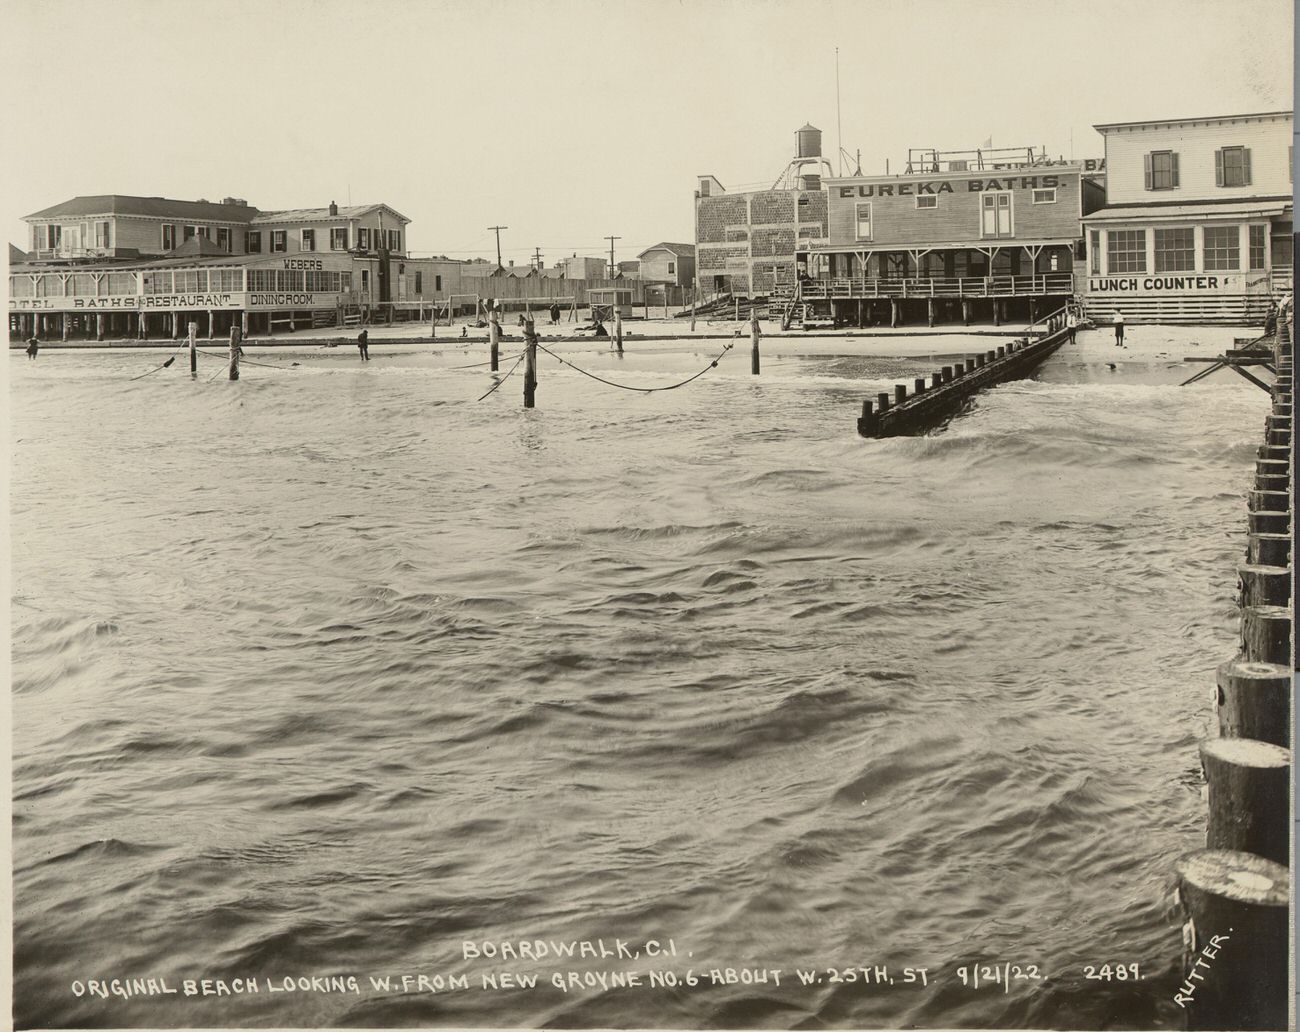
1173,169
1146,171
1218,168
1245,166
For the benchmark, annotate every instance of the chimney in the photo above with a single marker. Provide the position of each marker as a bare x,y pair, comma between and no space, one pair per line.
334,208
511,261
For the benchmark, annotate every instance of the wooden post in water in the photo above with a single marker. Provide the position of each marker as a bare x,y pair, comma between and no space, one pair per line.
918,385
1235,933
1249,785
1253,700
867,421
947,373
235,338
618,326
936,380
900,393
990,355
882,403
494,339
530,364
194,352
1266,634
1269,549
754,336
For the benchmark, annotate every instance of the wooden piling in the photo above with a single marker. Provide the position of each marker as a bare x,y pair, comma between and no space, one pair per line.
194,351
212,324
893,313
900,393
99,326
947,373
754,335
618,329
1269,549
936,380
63,320
1273,482
1266,634
1270,501
918,385
494,340
965,312
929,311
997,316
1253,700
1263,522
867,421
1249,800
530,365
1002,351
1236,934
235,338
882,402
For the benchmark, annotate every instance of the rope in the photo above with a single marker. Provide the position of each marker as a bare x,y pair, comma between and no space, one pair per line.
477,365
242,360
639,390
156,368
503,379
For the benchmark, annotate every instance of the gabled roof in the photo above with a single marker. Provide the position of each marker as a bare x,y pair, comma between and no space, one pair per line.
354,211
198,247
681,250
16,255
151,207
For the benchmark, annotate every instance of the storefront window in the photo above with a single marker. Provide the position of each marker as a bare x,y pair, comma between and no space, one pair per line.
1222,248
1126,250
1257,247
1175,250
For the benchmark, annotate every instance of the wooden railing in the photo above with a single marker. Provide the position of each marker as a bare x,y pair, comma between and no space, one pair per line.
923,287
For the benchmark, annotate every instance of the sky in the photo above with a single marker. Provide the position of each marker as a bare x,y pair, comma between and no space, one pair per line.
571,120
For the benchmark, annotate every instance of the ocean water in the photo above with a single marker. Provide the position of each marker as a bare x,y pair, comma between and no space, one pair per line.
331,671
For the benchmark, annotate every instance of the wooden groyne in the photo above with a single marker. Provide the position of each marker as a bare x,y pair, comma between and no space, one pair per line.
928,403
1234,893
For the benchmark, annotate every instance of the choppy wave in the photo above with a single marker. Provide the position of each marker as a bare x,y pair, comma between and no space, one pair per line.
325,672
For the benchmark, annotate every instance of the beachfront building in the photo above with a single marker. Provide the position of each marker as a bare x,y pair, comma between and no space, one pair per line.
667,263
745,242
1197,225
116,266
956,235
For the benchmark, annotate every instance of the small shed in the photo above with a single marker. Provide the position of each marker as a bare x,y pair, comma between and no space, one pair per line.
604,300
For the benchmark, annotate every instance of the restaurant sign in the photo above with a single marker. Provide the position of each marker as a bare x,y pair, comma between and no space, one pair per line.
174,302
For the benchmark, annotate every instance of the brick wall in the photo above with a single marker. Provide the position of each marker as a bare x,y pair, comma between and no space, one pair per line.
715,214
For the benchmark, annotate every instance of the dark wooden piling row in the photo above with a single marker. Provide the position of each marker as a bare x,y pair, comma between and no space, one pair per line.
1234,893
952,386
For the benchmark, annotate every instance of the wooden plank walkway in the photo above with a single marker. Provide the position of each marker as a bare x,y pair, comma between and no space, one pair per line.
929,403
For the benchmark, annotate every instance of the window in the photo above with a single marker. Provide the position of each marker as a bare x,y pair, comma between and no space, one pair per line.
168,237
1257,247
672,269
1094,245
279,240
394,239
254,241
1161,170
1175,250
864,221
308,240
363,238
1126,250
995,212
189,231
437,282
223,237
419,283
1222,248
204,233
345,282
339,238
365,281
54,236
102,234
927,201
1047,196
1232,166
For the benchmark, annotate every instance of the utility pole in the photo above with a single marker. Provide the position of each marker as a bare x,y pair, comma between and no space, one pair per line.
498,230
537,256
611,240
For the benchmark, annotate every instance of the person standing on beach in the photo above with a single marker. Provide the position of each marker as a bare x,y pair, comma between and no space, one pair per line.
555,315
363,345
33,346
1119,329
1071,323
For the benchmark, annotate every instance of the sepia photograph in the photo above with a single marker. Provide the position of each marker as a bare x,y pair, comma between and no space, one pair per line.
717,514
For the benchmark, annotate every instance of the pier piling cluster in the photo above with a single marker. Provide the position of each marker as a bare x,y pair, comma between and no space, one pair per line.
1234,893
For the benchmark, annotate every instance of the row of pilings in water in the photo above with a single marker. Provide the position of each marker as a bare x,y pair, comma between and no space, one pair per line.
1234,894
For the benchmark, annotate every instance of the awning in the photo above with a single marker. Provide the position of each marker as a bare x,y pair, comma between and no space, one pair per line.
1168,212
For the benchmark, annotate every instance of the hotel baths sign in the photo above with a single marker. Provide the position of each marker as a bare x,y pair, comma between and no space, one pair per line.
175,302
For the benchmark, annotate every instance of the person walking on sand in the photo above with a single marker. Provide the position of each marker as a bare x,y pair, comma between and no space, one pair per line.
1119,329
363,345
1071,323
555,315
33,346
